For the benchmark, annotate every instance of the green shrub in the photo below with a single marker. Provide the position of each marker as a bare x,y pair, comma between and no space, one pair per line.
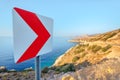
83,54
89,48
97,48
87,45
85,63
81,46
108,52
45,70
106,48
75,58
18,79
93,46
58,68
65,68
79,50
109,36
78,46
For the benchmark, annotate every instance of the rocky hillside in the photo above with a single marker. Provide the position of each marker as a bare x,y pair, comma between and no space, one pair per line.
95,57
107,69
93,49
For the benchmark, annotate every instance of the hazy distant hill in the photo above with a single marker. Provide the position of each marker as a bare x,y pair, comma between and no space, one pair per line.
112,36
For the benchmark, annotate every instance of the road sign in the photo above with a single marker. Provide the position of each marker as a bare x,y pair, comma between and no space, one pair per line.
32,34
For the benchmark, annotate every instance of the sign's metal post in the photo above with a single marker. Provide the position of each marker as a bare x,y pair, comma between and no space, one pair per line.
37,68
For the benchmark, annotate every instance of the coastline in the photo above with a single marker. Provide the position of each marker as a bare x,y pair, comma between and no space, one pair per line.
60,57
7,58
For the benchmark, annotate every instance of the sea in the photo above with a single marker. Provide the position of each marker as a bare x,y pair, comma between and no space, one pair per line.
60,46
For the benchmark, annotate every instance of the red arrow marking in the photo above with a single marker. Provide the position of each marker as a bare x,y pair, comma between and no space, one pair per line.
43,35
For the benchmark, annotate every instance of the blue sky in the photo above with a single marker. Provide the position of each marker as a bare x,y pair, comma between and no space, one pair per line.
71,17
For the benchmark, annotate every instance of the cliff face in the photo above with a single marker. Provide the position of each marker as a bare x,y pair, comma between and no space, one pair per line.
94,57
